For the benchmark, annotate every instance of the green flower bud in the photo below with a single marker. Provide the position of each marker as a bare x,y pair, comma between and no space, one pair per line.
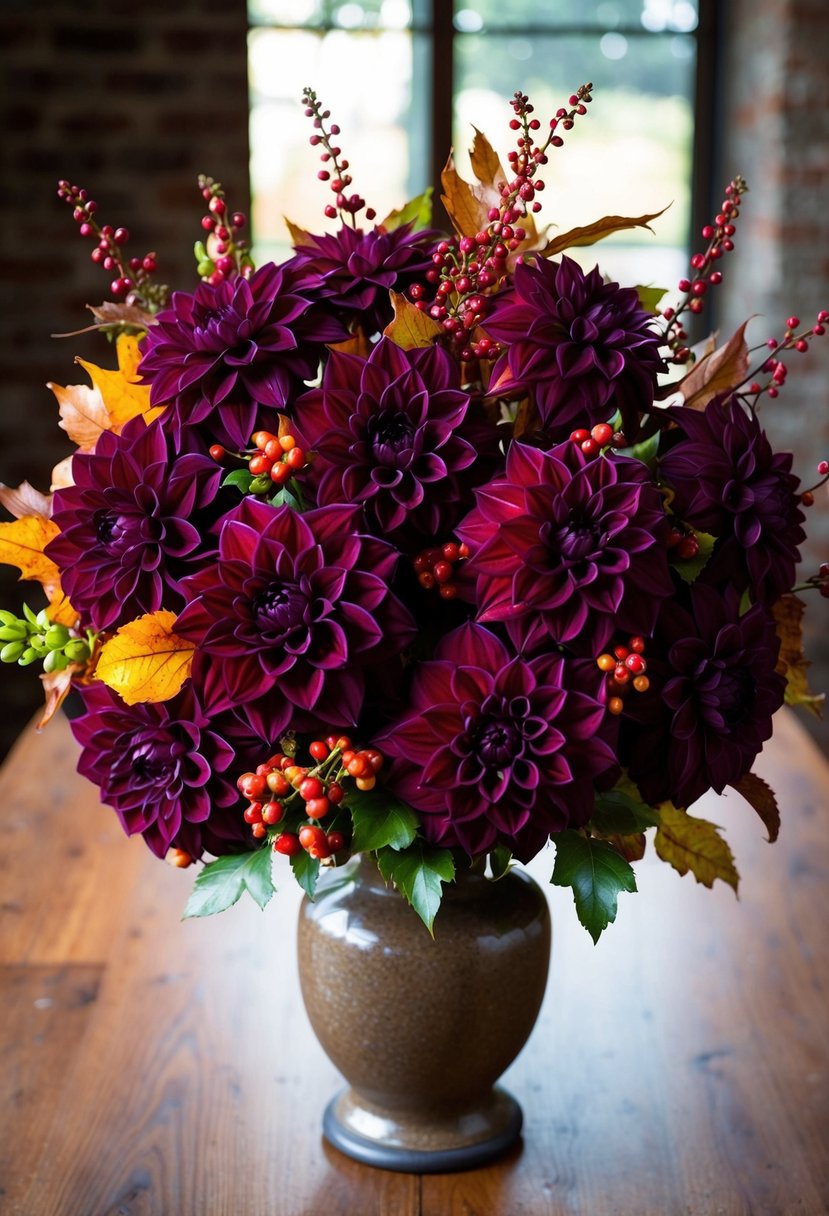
56,637
42,620
12,651
28,656
55,661
7,618
13,633
205,268
260,485
77,650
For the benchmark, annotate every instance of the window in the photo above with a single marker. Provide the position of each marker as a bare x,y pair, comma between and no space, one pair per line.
404,79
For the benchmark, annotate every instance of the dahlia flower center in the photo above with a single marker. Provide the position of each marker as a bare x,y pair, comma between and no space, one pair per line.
577,540
153,760
389,434
279,610
734,694
497,741
108,527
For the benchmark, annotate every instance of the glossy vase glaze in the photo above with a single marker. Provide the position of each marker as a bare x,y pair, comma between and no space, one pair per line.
420,1028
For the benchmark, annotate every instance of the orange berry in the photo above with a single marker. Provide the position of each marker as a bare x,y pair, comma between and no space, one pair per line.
606,662
286,442
641,683
615,705
366,783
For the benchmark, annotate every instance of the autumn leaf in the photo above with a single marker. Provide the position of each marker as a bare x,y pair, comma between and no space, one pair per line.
417,212
719,372
688,843
597,231
59,609
632,848
25,500
299,236
792,662
410,327
83,414
761,797
468,212
111,314
145,660
357,344
56,688
62,475
114,398
22,542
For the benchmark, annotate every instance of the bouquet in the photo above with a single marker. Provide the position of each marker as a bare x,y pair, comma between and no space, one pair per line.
434,546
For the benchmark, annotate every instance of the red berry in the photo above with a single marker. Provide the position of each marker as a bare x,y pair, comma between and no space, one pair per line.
287,844
318,749
253,813
278,784
309,834
358,766
602,433
251,786
580,435
311,787
217,452
317,807
635,664
272,812
335,841
443,571
259,831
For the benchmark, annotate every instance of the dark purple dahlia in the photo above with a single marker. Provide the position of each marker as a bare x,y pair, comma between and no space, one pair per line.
167,770
713,689
583,347
353,271
127,527
496,750
727,481
396,433
215,356
569,547
290,615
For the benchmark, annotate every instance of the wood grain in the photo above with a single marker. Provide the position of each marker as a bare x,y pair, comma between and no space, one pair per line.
154,1067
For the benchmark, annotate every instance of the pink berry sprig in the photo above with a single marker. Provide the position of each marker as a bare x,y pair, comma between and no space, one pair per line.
335,173
223,254
287,800
465,269
794,338
807,497
133,277
816,582
436,567
625,669
705,271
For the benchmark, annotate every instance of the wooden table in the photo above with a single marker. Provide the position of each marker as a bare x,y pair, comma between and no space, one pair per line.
156,1066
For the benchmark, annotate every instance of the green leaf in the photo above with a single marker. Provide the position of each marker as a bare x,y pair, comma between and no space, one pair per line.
500,859
597,874
646,451
650,297
306,871
621,812
418,212
380,820
222,881
418,872
690,568
240,478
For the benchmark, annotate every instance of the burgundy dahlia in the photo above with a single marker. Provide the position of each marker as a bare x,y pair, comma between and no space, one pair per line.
166,769
569,547
583,347
353,271
498,750
127,526
396,433
216,355
713,689
727,481
290,615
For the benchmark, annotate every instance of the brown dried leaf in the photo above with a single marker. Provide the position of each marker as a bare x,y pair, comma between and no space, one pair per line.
632,848
720,372
688,843
485,162
760,796
792,662
597,231
410,327
110,313
299,236
25,500
465,209
357,344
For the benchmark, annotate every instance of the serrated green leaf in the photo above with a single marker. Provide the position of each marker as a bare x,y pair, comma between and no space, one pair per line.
620,813
306,871
380,820
418,212
418,872
689,569
221,882
596,872
240,478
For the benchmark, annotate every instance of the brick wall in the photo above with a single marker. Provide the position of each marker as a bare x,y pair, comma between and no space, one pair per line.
775,131
133,100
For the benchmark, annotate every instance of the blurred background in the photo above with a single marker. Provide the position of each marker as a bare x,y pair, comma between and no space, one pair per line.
134,100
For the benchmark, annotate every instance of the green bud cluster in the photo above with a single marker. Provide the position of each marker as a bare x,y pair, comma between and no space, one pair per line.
25,639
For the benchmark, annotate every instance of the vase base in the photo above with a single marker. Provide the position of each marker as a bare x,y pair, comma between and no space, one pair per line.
441,1144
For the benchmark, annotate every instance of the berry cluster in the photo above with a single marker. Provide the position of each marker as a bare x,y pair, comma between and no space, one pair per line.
436,567
591,442
793,338
705,269
286,800
625,669
467,267
272,461
348,206
33,636
224,254
683,544
133,276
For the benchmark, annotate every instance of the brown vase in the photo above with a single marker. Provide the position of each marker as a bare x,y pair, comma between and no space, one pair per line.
420,1028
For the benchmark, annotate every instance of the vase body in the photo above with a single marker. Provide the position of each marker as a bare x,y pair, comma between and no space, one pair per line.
420,1028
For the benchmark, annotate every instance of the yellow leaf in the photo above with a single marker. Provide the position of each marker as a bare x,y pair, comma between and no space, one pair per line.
720,372
122,395
792,662
693,844
760,796
410,327
22,543
60,610
597,231
145,660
